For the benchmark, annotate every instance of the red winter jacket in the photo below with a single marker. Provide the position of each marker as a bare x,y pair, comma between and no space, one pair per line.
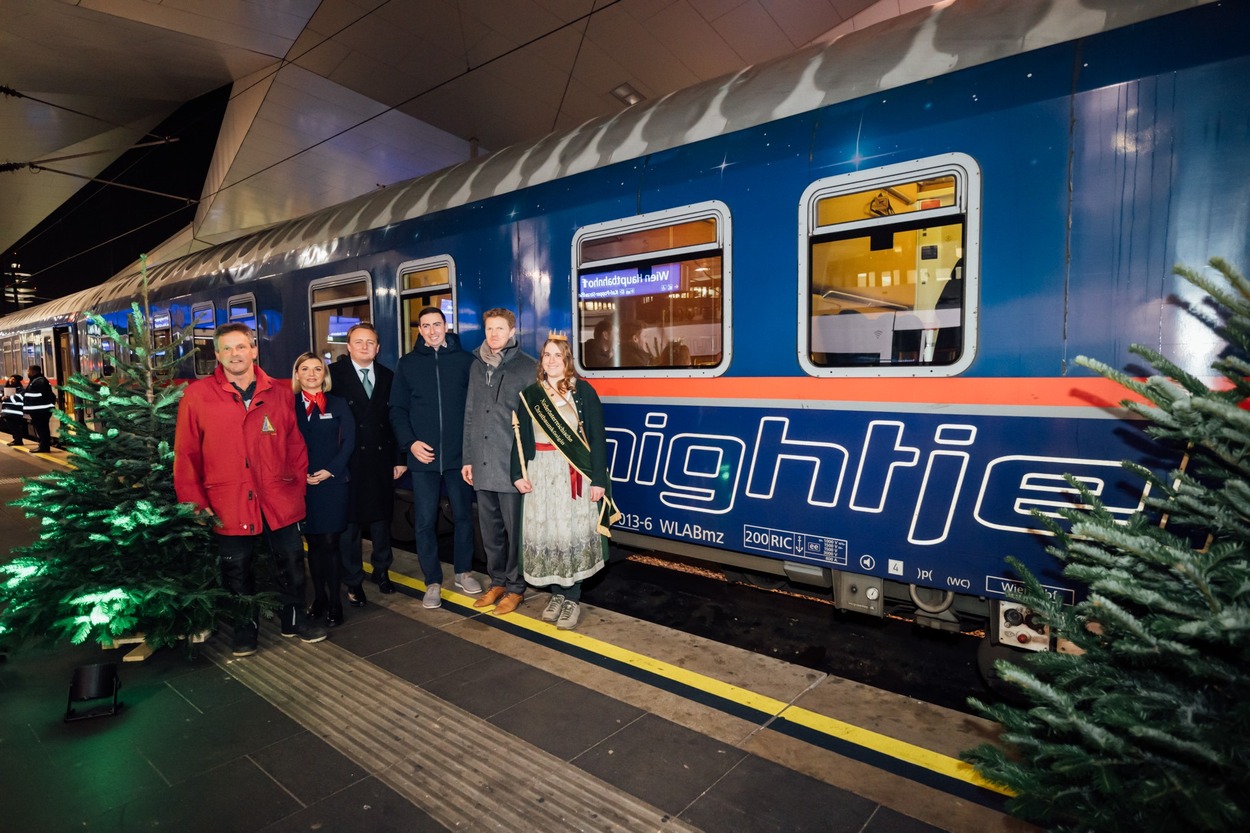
241,463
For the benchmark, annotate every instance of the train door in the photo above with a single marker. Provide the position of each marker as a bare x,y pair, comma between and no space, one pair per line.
60,352
430,282
204,315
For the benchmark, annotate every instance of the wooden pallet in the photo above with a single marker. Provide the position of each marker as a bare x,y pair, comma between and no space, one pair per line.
143,650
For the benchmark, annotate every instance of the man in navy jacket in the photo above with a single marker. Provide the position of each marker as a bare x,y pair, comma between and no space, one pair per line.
427,413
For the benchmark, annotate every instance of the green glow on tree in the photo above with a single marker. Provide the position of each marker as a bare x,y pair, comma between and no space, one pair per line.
117,555
1148,728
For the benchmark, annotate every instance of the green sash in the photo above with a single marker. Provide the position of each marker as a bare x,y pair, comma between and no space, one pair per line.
571,444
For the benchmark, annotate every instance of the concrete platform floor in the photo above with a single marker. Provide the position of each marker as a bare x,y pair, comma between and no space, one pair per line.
454,719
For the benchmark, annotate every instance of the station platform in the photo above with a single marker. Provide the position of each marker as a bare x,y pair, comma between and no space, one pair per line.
455,719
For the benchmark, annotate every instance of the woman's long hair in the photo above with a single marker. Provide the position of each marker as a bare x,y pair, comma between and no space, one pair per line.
565,383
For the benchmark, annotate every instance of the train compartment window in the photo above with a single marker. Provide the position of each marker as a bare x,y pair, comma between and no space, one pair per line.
652,292
336,305
430,282
890,257
204,317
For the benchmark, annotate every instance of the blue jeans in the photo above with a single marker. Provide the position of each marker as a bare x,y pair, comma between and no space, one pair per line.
426,490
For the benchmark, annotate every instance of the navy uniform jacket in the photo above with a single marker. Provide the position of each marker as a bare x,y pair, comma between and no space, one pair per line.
330,438
39,397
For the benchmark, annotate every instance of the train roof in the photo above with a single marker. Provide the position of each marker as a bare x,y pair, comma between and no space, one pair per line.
913,47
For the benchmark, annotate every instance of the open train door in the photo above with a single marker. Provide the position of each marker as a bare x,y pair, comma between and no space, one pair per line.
64,356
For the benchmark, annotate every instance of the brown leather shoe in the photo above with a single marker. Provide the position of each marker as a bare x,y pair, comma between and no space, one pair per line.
507,604
490,597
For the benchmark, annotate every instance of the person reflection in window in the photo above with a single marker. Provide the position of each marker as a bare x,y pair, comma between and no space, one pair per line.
633,353
597,351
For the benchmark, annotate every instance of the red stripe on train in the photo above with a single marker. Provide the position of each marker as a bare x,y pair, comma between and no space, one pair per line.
1082,392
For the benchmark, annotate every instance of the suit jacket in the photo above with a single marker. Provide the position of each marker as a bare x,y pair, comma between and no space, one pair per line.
376,455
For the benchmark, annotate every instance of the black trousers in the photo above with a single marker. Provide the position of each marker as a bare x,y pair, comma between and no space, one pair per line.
287,549
42,423
16,426
324,567
351,548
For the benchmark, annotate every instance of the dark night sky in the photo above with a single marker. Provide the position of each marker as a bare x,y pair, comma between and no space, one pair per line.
102,229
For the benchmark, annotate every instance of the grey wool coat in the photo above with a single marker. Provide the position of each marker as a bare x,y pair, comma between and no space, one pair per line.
494,393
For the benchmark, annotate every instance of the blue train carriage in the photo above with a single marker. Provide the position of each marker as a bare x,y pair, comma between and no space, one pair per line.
840,293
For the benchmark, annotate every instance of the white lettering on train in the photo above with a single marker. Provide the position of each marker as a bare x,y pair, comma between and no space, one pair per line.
705,473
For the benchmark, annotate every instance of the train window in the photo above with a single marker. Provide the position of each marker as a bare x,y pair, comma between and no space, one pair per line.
336,305
204,317
425,283
890,256
241,309
653,292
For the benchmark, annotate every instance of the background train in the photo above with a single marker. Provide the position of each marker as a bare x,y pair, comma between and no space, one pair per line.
845,288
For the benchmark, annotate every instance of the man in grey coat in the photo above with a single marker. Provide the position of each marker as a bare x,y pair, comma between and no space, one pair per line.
495,383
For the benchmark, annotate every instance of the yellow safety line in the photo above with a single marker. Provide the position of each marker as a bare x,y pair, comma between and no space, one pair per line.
832,727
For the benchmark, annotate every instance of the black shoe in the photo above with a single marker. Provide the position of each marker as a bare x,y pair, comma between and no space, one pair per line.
15,443
385,586
244,640
356,595
43,451
295,623
317,609
334,616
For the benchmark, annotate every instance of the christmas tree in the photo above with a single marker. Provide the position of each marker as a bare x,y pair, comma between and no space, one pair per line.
117,555
1147,726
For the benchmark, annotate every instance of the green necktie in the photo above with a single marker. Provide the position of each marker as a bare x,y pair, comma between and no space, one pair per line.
364,380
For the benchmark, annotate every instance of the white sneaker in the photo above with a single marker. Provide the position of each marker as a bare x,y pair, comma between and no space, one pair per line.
570,612
433,596
466,583
552,611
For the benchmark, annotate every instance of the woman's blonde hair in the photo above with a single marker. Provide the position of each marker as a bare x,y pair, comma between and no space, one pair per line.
303,357
570,376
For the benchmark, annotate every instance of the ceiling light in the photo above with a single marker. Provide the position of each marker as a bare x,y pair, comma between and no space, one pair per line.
627,95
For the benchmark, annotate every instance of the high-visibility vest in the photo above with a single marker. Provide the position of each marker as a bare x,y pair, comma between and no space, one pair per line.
12,405
39,396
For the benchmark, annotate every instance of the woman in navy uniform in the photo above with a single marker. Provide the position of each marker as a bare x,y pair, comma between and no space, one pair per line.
330,433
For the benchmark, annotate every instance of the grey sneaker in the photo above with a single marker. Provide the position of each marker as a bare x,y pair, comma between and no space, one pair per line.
552,611
570,612
433,596
466,583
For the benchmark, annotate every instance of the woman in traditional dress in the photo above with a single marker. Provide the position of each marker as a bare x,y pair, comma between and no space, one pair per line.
329,431
560,465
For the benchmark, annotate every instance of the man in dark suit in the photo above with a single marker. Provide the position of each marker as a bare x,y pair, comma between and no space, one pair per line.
376,463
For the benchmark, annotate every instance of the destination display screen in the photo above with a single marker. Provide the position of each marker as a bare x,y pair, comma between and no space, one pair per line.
627,282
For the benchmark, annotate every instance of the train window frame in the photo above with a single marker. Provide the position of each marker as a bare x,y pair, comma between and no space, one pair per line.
403,326
721,245
966,205
197,360
248,298
332,281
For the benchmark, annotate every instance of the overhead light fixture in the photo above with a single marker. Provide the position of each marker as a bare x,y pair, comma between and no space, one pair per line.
626,94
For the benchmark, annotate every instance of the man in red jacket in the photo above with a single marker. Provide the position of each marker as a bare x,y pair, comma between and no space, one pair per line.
239,455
